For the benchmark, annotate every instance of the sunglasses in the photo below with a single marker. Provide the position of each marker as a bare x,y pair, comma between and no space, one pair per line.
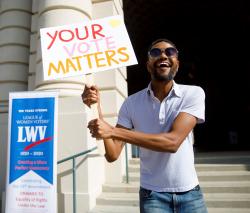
169,52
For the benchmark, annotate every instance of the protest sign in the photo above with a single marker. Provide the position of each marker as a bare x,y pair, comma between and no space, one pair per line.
32,147
86,47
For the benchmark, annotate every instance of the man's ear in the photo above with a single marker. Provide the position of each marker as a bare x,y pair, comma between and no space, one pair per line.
176,64
148,66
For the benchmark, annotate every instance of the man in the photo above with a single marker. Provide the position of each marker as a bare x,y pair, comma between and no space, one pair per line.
160,120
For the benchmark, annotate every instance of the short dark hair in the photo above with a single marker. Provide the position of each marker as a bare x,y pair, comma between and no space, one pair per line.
160,40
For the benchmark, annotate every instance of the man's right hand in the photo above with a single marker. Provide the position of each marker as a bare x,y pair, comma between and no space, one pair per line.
90,95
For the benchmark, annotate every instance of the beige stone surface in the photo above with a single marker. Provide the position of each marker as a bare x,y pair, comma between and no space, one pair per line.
21,70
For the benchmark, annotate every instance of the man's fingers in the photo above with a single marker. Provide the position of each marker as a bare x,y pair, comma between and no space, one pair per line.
89,92
94,88
92,123
90,99
90,95
91,88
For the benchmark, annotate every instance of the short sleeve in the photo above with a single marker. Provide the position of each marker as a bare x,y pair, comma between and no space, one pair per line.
124,117
194,104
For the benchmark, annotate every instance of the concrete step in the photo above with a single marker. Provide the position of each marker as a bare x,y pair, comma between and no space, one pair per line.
222,167
213,200
228,210
121,187
134,161
225,187
206,167
224,175
221,154
115,209
223,157
208,176
118,199
224,179
132,209
207,187
223,160
230,200
215,158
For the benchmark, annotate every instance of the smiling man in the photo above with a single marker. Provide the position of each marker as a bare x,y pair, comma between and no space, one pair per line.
160,120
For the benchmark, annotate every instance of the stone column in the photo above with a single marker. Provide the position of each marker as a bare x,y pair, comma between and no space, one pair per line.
15,19
73,116
113,86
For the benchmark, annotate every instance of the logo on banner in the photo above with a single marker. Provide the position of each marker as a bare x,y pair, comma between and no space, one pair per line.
29,133
34,134
32,138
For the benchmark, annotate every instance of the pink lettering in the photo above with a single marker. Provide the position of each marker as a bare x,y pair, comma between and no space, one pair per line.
53,39
96,42
65,39
86,33
83,47
71,51
67,35
109,42
96,29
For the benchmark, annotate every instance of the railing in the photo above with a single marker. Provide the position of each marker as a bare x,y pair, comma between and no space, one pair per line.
126,159
73,158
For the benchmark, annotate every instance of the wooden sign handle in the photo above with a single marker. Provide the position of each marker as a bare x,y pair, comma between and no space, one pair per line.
95,115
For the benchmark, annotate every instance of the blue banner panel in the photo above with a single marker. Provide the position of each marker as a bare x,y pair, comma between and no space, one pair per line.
32,137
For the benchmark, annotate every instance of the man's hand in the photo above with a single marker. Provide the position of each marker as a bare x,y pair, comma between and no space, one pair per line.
100,129
90,95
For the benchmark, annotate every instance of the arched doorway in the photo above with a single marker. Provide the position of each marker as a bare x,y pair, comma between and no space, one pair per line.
213,41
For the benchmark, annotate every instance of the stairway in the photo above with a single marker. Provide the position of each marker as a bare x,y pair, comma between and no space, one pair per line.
224,178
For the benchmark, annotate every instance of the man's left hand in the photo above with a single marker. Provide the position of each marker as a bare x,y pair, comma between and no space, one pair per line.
100,129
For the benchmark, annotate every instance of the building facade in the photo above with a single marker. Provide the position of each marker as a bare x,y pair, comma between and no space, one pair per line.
21,70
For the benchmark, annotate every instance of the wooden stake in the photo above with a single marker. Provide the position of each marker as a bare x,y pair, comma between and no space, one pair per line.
95,115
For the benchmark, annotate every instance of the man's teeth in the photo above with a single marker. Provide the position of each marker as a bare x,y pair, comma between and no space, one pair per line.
164,64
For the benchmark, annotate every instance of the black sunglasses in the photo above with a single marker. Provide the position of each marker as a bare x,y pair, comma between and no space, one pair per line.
169,52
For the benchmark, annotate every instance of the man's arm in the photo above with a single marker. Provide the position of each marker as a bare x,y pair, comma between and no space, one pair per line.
162,142
113,147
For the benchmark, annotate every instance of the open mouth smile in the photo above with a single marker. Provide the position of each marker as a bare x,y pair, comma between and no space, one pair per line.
164,64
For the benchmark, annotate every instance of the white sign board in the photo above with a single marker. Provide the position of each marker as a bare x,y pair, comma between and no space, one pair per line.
86,47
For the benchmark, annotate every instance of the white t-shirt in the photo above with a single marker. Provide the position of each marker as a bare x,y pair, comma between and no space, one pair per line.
142,111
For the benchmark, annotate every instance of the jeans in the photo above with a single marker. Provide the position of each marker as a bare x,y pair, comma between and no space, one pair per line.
172,202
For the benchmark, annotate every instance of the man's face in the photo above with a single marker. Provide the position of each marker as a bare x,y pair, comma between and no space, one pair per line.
162,68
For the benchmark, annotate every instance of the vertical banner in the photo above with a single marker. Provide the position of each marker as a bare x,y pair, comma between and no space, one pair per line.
32,147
